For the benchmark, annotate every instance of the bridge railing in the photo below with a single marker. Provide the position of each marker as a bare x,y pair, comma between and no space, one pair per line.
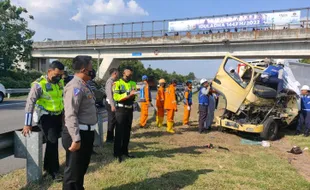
160,28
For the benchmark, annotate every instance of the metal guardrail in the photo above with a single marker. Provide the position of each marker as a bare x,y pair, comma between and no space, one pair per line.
159,28
16,91
31,147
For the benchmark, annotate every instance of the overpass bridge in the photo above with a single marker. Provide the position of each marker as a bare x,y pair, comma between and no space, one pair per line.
289,43
276,41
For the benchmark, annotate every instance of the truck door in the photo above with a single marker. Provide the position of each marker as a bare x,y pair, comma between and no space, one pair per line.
231,85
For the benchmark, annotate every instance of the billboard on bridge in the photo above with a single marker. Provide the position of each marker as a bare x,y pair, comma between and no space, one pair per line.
237,21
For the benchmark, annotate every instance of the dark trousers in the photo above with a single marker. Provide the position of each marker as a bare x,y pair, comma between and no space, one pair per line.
111,122
304,118
275,81
122,131
51,125
203,114
77,162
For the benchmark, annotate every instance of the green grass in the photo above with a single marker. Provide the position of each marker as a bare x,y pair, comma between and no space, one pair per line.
181,161
300,141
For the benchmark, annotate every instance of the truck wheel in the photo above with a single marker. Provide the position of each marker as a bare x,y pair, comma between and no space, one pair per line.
1,97
271,129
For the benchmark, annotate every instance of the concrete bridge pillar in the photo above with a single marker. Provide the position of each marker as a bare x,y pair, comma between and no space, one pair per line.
106,64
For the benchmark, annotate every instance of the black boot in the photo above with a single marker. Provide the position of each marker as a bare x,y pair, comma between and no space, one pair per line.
306,133
297,133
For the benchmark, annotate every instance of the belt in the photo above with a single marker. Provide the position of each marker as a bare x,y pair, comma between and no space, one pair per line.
87,127
124,106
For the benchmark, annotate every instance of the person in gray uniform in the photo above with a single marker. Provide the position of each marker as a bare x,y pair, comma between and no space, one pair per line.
211,108
45,107
80,121
110,104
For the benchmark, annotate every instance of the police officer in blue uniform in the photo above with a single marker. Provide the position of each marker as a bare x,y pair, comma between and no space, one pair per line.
273,74
203,103
305,111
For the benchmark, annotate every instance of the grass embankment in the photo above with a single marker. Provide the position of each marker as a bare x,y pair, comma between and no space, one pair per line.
182,161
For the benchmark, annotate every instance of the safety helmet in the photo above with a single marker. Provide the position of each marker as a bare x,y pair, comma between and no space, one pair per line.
280,62
189,81
161,81
231,69
144,77
202,81
305,87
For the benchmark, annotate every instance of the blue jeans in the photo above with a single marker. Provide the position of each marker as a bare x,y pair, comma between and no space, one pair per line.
275,80
304,118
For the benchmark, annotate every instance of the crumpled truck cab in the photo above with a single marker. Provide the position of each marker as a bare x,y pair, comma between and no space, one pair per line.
247,104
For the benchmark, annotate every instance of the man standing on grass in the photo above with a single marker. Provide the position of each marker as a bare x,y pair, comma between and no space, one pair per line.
110,104
187,102
124,94
170,105
305,111
160,100
45,105
203,103
146,100
80,122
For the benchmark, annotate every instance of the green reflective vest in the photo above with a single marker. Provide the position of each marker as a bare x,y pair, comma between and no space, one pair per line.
121,89
52,95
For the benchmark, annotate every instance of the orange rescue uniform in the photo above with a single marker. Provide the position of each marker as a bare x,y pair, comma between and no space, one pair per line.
160,98
187,104
170,106
145,105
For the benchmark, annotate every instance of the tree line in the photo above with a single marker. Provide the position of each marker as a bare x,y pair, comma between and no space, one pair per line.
140,70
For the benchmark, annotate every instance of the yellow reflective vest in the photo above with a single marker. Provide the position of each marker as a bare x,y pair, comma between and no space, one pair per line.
52,95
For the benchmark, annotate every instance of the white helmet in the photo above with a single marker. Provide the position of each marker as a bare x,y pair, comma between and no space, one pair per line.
203,81
305,87
280,62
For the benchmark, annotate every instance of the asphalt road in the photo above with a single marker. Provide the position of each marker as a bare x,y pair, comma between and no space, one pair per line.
11,115
12,118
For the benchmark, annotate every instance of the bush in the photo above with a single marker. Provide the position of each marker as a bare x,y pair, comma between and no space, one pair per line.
18,79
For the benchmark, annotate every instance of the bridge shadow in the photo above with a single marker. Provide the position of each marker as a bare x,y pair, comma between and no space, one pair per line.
170,180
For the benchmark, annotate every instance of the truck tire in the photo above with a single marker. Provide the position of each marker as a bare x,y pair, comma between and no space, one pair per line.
271,129
1,97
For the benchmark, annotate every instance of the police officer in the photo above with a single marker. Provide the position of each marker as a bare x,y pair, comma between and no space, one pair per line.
80,120
305,111
45,105
203,103
124,92
110,104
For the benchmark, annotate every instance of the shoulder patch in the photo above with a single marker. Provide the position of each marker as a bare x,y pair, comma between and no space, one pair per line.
38,86
39,79
76,91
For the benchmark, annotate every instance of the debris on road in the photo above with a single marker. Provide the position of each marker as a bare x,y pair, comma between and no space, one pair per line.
250,142
265,144
295,150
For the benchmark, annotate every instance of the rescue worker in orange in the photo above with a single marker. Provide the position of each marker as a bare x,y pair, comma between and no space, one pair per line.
146,100
187,102
170,105
160,100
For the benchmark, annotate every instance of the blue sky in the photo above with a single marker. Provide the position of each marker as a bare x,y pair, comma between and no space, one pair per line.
66,19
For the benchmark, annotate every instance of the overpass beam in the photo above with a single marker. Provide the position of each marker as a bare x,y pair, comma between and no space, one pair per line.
106,64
